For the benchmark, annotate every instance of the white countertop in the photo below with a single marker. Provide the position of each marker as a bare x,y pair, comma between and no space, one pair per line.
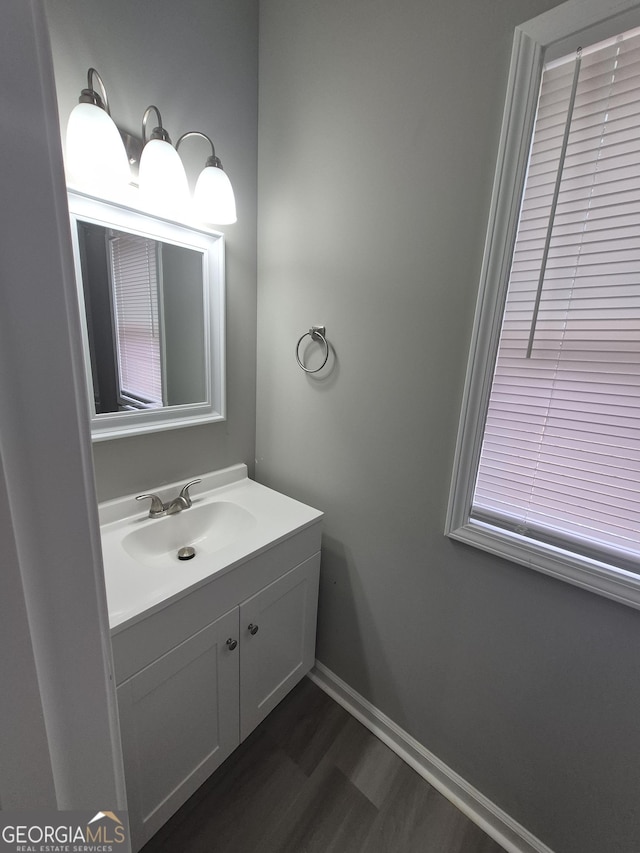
138,586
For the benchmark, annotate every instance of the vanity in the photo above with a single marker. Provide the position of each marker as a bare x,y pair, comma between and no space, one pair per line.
204,648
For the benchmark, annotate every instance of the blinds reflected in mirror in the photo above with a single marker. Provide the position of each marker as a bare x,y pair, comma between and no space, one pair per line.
136,279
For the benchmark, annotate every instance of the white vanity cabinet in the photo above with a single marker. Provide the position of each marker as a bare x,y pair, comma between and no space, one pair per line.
277,641
198,675
178,723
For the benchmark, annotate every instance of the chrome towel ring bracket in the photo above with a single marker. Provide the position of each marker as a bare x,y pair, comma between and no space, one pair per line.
316,333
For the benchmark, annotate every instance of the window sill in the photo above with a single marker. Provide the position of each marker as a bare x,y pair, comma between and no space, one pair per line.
595,576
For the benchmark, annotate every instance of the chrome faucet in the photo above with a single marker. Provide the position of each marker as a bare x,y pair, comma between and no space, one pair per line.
158,509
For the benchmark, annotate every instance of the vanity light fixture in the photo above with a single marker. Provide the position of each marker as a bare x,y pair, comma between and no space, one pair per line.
213,198
163,181
100,159
96,157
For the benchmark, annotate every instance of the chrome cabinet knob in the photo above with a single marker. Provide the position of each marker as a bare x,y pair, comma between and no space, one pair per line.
231,644
253,629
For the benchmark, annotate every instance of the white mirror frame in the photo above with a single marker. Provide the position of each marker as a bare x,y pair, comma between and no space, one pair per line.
106,426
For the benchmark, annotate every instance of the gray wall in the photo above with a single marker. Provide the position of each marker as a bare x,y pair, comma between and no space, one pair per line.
378,133
197,62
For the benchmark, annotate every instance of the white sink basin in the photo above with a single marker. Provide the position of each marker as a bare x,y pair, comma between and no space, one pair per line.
231,520
206,528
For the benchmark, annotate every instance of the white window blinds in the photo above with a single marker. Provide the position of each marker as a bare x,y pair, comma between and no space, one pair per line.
135,287
560,459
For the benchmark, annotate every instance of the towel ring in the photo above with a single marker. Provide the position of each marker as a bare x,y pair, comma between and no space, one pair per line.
317,333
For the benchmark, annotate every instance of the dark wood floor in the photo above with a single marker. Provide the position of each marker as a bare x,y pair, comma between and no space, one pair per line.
312,779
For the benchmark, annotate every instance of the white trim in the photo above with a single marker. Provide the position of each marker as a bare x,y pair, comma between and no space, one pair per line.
513,154
47,494
531,41
586,573
574,15
478,808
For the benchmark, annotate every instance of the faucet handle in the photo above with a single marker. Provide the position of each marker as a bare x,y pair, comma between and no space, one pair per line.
184,492
157,507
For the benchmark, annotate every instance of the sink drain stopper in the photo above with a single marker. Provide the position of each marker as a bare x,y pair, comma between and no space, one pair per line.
187,553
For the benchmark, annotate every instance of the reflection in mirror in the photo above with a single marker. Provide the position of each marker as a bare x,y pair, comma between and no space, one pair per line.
151,294
145,320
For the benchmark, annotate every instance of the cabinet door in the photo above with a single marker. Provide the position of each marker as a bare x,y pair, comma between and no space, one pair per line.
179,721
275,657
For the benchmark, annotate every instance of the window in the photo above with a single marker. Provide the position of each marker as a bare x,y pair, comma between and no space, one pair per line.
547,468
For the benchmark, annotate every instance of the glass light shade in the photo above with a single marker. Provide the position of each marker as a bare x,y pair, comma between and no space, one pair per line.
96,158
213,197
163,181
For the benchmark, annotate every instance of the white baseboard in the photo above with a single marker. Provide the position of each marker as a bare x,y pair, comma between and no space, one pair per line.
495,822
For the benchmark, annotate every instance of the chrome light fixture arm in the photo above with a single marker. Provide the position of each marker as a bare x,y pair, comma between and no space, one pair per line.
90,96
212,160
159,132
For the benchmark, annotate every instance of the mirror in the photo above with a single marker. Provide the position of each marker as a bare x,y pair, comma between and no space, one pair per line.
151,296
